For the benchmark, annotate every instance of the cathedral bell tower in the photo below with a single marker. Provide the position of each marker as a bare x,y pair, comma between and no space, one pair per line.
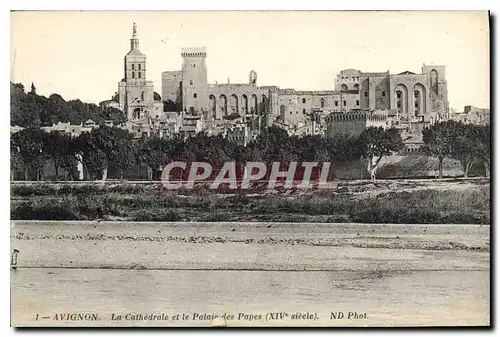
136,95
134,41
135,61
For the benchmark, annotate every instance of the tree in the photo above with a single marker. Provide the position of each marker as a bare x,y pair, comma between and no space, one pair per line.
96,150
310,148
274,145
95,162
24,111
464,144
58,147
125,151
30,142
438,141
346,148
377,143
114,146
70,157
32,110
482,137
16,160
157,153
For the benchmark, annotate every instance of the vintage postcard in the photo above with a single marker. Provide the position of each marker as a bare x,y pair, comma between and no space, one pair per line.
250,169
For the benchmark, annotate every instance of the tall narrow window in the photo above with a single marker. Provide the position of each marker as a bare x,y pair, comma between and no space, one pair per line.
139,74
357,102
322,102
336,103
133,66
133,74
139,66
345,103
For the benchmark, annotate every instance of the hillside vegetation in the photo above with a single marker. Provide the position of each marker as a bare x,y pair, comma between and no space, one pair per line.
27,109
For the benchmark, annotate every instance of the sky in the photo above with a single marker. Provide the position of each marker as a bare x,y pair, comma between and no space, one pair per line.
80,54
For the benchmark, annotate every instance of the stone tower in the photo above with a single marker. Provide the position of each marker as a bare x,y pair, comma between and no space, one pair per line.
438,89
135,93
194,79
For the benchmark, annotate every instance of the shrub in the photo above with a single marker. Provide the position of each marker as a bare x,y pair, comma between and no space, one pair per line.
157,215
43,212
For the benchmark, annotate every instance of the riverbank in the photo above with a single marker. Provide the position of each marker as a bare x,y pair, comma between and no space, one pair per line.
462,201
250,246
399,275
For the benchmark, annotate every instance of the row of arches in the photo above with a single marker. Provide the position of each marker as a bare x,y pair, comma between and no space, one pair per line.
419,100
237,105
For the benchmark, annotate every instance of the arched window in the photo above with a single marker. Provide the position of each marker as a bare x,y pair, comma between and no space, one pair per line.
322,102
419,95
233,102
139,66
133,74
137,113
402,98
343,87
139,74
434,80
223,103
253,104
133,66
244,103
356,86
264,105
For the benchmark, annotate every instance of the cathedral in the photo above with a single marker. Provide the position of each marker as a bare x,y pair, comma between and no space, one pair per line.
136,96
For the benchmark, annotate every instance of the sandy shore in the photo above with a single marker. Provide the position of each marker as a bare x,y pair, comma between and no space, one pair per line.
399,275
250,246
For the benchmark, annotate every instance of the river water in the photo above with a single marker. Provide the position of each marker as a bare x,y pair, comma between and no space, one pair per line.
377,298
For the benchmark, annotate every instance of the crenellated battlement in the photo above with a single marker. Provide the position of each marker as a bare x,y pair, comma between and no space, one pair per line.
194,52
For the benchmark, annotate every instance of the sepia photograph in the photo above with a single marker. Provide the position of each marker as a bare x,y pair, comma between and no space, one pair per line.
250,169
